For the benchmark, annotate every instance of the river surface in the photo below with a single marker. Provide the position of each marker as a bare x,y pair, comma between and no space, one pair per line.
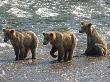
54,15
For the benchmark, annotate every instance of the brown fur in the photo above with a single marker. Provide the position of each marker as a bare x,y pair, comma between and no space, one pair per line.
22,42
63,42
96,45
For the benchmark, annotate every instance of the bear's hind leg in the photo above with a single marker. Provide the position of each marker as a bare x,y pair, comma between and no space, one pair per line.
65,56
95,51
33,51
70,55
103,49
26,51
60,54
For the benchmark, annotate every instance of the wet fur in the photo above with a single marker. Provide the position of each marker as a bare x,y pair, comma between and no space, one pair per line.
63,42
22,42
96,45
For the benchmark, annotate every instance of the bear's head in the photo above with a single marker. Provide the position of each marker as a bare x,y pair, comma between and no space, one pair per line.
85,27
48,37
8,32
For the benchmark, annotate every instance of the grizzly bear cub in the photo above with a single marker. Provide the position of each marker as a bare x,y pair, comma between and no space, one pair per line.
63,42
22,42
96,45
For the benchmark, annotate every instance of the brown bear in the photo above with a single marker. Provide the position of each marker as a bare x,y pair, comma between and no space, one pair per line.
22,42
63,42
96,45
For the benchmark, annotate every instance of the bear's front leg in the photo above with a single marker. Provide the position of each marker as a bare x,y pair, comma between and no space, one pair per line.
87,52
60,54
26,51
16,50
53,50
22,53
102,49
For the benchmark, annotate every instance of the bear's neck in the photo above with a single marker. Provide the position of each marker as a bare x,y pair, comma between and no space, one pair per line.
91,32
52,42
13,37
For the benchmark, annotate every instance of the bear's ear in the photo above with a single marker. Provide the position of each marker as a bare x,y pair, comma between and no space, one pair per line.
82,23
90,24
3,29
51,35
43,33
12,31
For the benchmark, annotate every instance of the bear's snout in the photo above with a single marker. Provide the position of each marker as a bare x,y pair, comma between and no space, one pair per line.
44,43
5,40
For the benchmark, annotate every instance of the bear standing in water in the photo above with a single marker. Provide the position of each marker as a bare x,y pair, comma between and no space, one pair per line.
22,42
96,46
63,42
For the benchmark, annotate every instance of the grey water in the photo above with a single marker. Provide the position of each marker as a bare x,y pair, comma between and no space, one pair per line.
54,15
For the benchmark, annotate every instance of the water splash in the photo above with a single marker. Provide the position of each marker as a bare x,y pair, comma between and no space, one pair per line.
45,12
3,2
5,45
19,13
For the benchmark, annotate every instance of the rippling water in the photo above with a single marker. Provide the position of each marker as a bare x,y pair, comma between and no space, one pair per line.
52,15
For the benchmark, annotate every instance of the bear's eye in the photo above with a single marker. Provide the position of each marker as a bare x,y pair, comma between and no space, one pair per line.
83,27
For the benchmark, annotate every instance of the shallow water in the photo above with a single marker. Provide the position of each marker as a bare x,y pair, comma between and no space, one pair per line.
54,15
